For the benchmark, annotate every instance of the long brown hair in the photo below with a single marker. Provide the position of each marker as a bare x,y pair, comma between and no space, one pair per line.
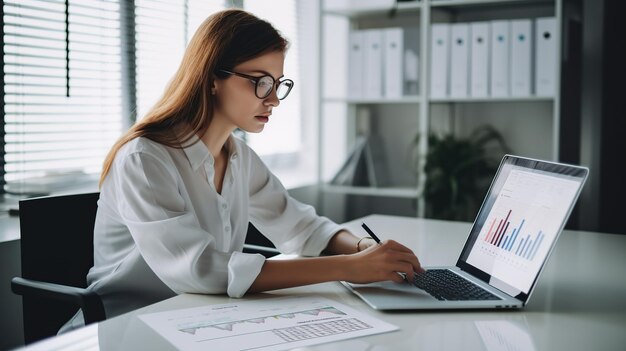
224,40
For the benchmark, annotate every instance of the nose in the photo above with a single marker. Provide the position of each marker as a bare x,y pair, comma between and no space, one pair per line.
272,98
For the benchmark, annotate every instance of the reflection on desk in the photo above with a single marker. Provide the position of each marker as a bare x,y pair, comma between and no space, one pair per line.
578,303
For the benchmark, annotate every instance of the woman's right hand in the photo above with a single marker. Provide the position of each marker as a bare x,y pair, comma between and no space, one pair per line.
382,262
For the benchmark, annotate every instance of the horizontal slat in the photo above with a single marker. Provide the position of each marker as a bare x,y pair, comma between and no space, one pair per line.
64,101
69,164
58,147
93,111
75,83
58,91
87,6
60,137
17,39
94,29
40,8
72,161
20,77
14,69
51,156
52,109
15,179
31,18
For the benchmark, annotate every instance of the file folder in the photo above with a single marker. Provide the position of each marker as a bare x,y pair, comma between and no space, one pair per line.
459,60
479,61
373,68
411,61
393,62
499,84
520,70
439,56
356,64
545,56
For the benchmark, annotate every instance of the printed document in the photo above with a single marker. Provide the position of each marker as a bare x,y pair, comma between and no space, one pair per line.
267,324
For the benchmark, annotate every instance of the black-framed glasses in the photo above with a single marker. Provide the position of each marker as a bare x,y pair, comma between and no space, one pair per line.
263,85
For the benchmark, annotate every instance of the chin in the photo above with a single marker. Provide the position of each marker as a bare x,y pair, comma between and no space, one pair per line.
255,129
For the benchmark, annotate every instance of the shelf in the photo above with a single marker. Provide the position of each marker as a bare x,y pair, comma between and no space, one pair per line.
493,99
371,191
403,100
476,3
530,115
403,7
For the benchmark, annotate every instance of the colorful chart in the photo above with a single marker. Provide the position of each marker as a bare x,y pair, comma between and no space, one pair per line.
523,222
506,240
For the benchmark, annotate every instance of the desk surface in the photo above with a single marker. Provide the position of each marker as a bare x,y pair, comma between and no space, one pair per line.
579,303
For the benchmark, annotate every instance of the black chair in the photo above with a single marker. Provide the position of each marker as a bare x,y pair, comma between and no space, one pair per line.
57,252
256,242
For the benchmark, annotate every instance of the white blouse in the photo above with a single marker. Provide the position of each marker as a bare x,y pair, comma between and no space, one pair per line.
163,229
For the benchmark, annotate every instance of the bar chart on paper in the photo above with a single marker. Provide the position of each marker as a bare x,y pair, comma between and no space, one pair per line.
270,324
522,224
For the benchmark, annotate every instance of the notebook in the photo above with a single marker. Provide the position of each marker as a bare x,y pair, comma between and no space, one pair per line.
514,233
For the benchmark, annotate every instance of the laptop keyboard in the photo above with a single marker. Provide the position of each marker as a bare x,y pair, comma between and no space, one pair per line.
443,284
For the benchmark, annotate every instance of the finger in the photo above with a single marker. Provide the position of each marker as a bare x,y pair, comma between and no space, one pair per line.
414,261
396,246
409,263
404,268
395,277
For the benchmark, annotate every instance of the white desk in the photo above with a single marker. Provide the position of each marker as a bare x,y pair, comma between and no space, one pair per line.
579,303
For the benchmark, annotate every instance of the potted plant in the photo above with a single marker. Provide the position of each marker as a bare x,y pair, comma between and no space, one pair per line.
458,172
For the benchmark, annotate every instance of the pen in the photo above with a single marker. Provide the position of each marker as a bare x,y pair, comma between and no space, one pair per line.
370,232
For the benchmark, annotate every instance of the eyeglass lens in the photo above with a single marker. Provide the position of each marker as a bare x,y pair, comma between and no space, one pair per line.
266,84
283,89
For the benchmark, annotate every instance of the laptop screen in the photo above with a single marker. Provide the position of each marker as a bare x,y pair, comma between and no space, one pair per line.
521,217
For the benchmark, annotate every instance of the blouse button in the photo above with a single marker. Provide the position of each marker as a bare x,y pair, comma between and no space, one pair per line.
227,228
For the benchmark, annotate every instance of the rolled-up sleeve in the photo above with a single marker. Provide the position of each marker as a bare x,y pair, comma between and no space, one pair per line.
294,227
168,235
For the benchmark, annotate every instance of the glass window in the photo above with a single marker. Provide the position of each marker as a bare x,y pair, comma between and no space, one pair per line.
61,98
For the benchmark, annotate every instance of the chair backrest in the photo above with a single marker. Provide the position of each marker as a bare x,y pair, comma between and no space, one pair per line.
57,247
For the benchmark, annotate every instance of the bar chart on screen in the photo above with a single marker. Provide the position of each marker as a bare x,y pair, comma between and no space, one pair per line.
522,224
507,240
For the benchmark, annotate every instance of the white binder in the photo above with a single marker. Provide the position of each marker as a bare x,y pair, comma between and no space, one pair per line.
373,67
499,84
545,56
479,62
521,48
439,56
411,61
459,60
393,62
355,67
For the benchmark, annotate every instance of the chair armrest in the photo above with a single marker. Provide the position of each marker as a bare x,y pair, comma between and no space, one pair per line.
263,250
88,301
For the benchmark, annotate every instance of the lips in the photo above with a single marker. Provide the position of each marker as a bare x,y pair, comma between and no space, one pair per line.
263,118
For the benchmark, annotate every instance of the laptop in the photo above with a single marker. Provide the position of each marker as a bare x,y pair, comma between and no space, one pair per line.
514,233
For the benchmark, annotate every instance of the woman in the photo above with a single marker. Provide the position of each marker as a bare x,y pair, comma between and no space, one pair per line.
178,190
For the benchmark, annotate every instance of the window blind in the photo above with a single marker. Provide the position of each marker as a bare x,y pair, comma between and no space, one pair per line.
62,103
163,28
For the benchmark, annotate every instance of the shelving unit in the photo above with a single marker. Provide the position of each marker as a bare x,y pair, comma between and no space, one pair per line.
399,120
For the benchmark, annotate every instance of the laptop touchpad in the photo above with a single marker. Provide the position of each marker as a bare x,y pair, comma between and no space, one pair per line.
398,292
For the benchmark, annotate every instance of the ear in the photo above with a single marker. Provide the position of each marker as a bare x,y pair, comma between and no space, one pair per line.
214,85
